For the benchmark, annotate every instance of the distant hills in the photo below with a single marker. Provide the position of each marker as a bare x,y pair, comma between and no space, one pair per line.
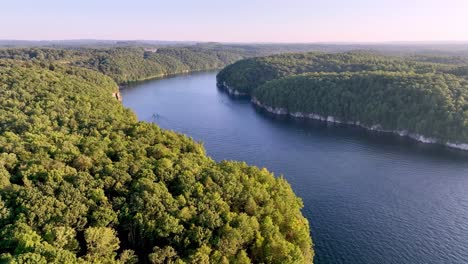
459,48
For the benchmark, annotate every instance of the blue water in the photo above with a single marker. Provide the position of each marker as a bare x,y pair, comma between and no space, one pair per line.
369,197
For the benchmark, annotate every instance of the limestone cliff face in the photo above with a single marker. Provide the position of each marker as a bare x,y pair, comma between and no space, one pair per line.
376,127
230,90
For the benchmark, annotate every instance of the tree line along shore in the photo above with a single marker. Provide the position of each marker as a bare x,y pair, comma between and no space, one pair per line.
421,97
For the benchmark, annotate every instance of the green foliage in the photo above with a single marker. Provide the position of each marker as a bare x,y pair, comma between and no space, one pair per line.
412,94
246,75
129,64
101,243
82,181
434,105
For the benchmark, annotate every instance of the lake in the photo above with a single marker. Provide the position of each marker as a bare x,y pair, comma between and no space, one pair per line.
369,197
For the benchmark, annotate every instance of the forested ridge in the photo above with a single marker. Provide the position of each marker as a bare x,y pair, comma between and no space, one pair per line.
423,95
433,105
245,75
129,64
82,181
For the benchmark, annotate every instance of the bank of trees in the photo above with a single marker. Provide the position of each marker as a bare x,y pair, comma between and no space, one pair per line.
421,94
133,64
129,64
434,105
245,75
82,181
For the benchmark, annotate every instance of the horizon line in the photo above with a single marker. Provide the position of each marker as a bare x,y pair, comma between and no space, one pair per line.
247,42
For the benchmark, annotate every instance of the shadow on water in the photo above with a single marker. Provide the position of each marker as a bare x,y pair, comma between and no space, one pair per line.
384,142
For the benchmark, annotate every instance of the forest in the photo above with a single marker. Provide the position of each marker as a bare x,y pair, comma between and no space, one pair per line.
245,75
424,95
130,64
434,105
83,181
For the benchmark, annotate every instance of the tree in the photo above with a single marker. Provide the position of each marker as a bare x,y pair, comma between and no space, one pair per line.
101,242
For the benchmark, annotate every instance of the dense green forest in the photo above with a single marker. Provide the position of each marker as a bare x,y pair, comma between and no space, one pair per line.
424,95
82,181
434,105
128,64
246,75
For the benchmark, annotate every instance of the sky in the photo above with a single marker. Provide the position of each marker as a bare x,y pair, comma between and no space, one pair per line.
236,20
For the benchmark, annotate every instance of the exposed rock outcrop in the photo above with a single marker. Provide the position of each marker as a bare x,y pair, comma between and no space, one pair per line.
376,127
231,90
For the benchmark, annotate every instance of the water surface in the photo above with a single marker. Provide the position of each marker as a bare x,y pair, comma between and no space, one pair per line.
369,197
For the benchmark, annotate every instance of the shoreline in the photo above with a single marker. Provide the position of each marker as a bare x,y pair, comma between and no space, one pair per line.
376,128
230,90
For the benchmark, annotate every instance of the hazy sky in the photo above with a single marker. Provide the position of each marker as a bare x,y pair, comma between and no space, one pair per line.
236,20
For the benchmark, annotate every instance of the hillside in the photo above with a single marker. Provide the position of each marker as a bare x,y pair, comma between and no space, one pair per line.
82,181
129,64
429,105
246,75
423,97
